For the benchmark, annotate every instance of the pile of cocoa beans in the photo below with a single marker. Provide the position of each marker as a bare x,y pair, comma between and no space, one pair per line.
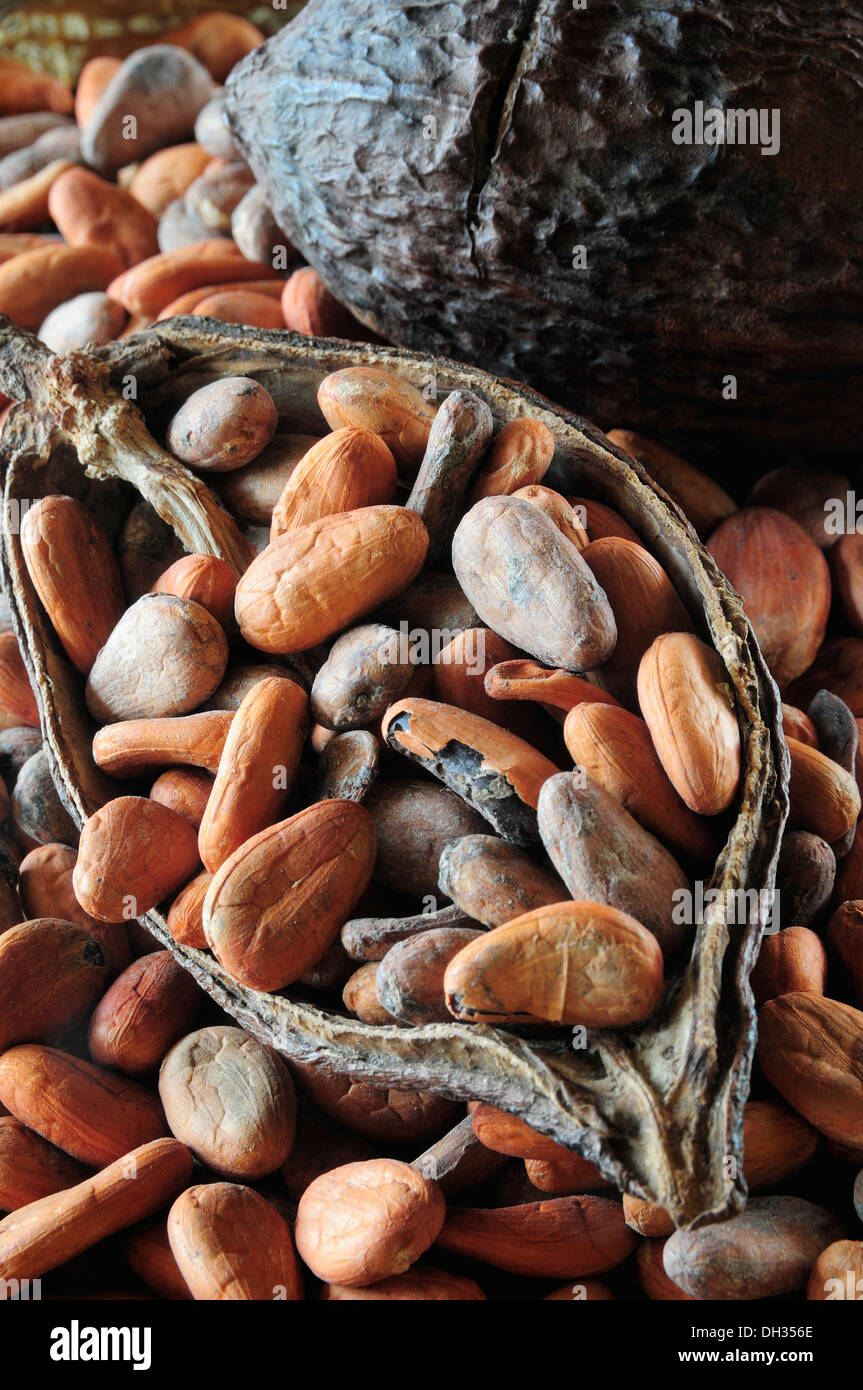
127,201
507,826
499,830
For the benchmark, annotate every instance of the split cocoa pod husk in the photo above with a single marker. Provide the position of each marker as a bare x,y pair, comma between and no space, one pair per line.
631,1101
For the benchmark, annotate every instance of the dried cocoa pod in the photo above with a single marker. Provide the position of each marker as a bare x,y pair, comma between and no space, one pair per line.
492,770
388,1115
845,937
809,1049
604,856
371,938
51,973
242,1131
414,821
185,790
257,768
493,882
54,1229
364,672
148,1007
314,581
616,751
278,902
837,1273
133,747
570,963
425,1284
163,88
776,1143
383,402
89,1113
347,768
793,961
395,1215
185,918
644,603
699,496
459,1160
459,437
37,811
825,798
558,1239
805,875
686,702
531,585
30,1167
224,425
229,1244
165,656
410,977
133,853
46,882
347,469
149,1255
359,996
765,1252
